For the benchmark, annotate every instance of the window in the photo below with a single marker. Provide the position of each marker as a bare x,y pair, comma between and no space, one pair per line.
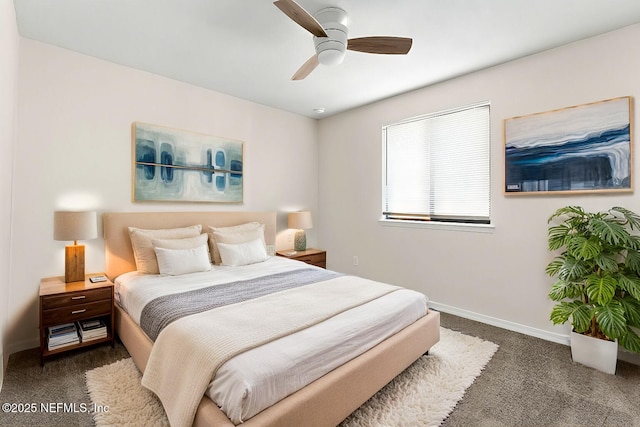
436,167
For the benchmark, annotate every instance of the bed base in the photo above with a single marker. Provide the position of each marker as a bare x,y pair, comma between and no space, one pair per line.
328,400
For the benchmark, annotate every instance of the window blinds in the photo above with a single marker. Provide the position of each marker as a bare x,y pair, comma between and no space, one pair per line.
437,167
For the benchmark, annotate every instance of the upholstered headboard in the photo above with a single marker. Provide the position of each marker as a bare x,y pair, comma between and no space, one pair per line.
119,253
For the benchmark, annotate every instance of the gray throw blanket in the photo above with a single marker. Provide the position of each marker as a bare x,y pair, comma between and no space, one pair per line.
162,311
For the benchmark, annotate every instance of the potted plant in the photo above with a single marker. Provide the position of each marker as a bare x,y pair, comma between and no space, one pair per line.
598,279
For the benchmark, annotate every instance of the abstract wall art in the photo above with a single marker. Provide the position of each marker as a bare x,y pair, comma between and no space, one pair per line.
181,166
585,148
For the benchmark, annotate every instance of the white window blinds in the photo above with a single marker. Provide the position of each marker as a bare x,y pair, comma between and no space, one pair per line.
437,167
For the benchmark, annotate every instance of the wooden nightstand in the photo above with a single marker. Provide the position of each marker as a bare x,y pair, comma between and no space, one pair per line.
62,303
315,257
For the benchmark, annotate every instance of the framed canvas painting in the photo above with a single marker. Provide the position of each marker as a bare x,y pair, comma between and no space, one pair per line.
585,148
181,166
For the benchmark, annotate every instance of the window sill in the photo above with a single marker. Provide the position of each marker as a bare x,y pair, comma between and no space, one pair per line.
451,226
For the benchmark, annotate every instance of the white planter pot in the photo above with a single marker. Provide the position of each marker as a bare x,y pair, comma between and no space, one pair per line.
594,353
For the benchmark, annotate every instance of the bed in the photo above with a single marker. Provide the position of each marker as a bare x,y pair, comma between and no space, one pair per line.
324,401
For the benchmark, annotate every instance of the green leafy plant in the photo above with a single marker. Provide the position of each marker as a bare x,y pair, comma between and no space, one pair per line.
598,273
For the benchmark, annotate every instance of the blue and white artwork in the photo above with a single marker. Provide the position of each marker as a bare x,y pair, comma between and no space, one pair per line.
176,165
581,148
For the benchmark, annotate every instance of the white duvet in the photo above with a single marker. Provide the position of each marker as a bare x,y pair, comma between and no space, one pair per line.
258,378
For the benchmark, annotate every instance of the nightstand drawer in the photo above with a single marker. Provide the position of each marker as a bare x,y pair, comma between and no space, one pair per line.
75,298
73,313
315,259
310,256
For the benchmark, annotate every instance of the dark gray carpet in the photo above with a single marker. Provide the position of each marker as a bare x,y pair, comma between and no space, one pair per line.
60,381
528,382
532,382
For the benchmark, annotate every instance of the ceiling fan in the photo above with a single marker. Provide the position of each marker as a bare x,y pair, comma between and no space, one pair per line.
329,28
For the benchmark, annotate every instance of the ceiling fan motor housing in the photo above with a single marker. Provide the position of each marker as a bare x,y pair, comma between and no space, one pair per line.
331,50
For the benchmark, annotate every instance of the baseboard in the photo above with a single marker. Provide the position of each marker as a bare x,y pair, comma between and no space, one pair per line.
501,323
22,345
623,354
628,356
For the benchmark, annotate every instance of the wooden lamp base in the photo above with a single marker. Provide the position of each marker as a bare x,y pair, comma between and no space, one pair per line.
74,263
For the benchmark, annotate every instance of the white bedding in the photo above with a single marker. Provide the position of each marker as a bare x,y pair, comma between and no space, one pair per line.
279,368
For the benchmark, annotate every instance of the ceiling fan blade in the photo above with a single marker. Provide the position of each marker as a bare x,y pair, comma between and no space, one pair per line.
306,68
381,44
294,11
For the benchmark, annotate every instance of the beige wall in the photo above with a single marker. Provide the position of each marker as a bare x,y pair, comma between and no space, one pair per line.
74,151
9,48
496,277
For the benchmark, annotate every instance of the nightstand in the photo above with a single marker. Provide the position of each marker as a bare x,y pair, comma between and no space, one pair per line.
62,303
315,257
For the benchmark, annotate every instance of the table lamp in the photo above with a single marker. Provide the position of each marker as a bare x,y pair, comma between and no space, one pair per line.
300,221
74,225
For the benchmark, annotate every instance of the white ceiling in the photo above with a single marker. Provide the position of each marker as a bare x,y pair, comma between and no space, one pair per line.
250,49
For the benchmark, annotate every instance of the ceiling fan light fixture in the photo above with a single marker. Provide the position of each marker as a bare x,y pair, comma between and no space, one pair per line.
329,56
331,49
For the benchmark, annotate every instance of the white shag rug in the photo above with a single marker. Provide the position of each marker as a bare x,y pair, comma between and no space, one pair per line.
423,395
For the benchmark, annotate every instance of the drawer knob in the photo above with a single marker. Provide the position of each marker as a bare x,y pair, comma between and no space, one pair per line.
79,297
79,311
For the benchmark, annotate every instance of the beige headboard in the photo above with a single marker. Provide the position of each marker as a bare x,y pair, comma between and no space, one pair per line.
119,254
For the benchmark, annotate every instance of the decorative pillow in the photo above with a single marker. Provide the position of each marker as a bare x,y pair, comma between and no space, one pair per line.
240,237
235,254
175,262
238,231
143,252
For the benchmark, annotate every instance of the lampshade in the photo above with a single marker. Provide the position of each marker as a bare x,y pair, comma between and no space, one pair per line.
300,220
74,225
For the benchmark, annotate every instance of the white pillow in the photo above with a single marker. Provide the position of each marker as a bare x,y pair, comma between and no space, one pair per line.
234,234
175,262
186,243
143,253
235,254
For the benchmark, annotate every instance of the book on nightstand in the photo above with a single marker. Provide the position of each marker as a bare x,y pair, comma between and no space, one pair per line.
62,336
92,329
